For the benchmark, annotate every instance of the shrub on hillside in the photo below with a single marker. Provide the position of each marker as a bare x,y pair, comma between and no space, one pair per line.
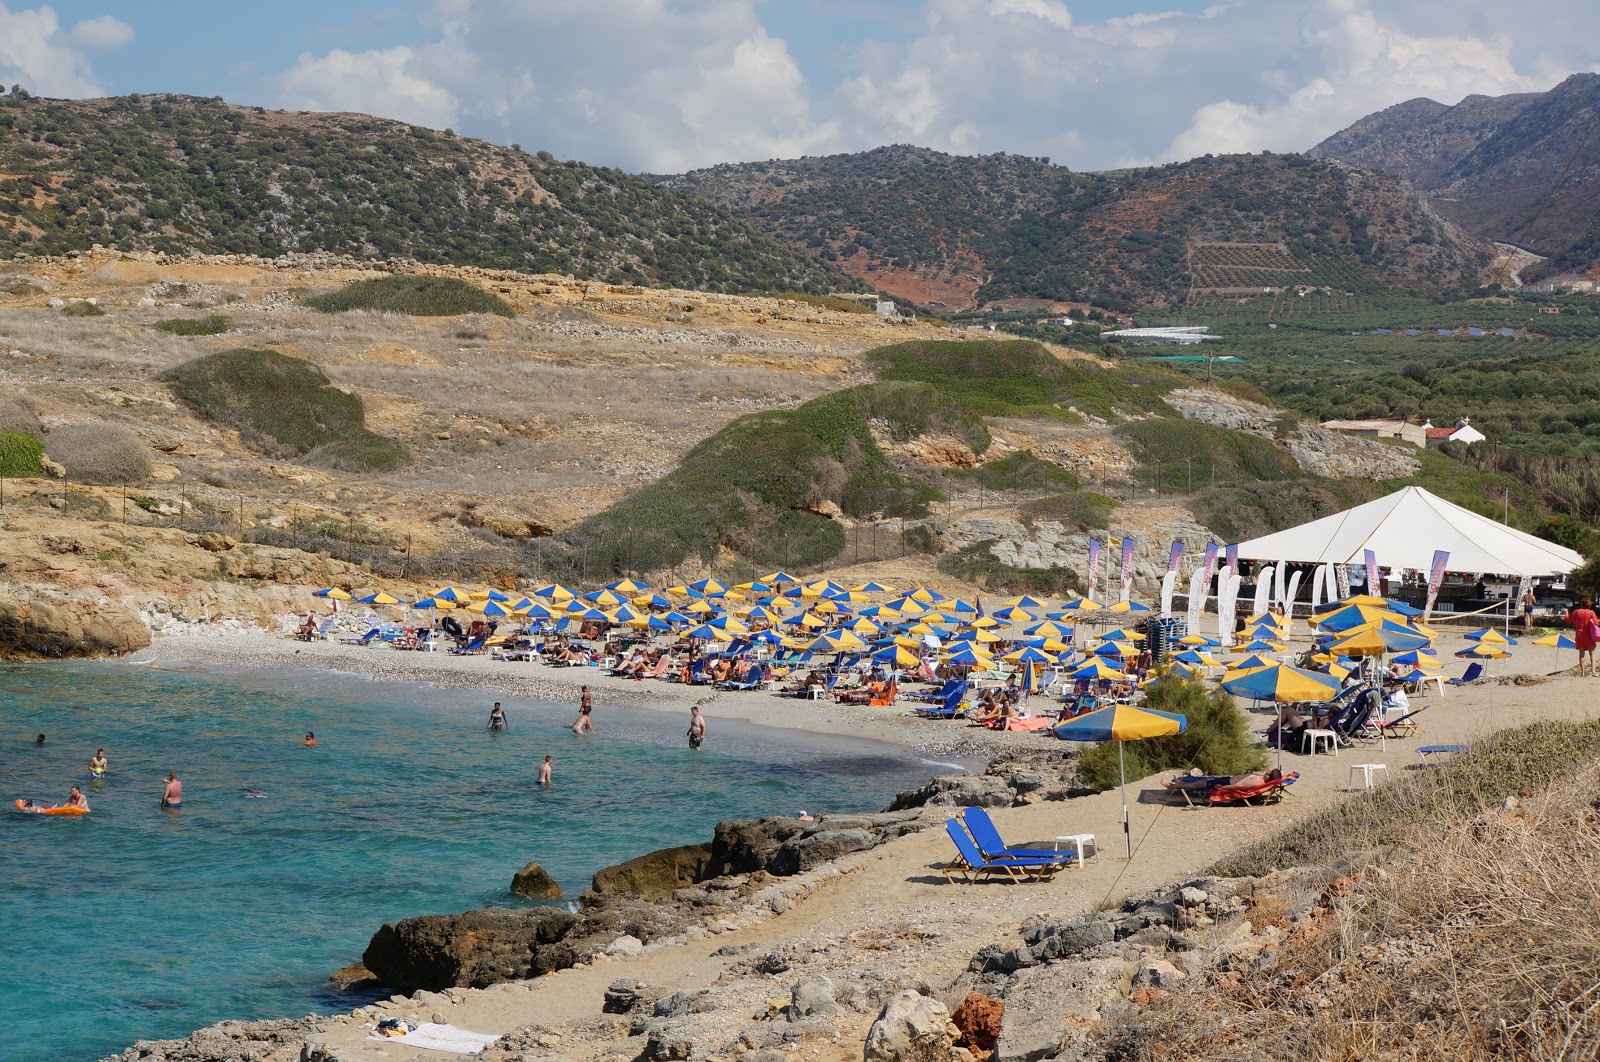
17,415
21,455
1081,510
1218,740
419,296
100,454
213,325
365,452
82,309
275,401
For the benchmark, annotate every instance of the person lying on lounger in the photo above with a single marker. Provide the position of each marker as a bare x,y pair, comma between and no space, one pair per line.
1200,783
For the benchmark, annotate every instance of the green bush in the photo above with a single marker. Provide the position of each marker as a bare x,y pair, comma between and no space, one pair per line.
1023,378
1244,511
1019,471
975,564
1081,510
365,452
101,454
283,404
753,486
21,455
1225,455
1504,764
82,309
1217,741
419,296
214,325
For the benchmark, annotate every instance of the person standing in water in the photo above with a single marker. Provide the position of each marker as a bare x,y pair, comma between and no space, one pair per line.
97,766
544,770
497,718
310,742
172,792
697,727
77,799
585,705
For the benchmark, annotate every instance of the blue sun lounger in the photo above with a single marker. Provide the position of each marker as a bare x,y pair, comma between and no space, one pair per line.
992,845
971,865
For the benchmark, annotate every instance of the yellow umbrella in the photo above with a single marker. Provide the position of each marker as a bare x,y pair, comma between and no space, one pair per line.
629,586
380,598
332,592
924,595
865,626
921,628
983,636
824,606
811,619
985,621
1082,604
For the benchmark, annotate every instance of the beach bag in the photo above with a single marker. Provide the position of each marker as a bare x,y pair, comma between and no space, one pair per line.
1591,630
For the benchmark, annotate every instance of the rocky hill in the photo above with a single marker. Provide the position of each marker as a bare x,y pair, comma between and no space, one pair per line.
178,174
957,232
1489,163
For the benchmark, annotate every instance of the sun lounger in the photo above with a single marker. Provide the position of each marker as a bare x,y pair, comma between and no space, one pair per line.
935,696
1265,793
1472,674
1429,751
987,837
1402,727
365,639
972,867
472,647
951,708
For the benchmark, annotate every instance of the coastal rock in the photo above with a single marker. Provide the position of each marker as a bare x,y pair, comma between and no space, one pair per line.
912,1028
625,996
655,875
45,623
533,882
1009,780
1042,1002
355,976
812,997
470,950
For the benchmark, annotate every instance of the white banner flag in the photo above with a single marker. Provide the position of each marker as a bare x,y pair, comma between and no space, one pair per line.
1288,601
1197,599
1228,583
1168,581
1263,590
1319,579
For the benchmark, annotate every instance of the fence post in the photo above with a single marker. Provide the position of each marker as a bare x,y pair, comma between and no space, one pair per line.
183,505
124,504
241,516
406,570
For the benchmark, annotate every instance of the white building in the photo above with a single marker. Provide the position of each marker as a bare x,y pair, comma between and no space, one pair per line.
1169,336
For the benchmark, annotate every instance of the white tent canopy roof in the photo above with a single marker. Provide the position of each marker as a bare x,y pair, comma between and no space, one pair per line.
1404,529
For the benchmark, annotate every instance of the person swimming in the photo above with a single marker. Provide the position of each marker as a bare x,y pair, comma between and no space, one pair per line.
172,791
252,794
310,742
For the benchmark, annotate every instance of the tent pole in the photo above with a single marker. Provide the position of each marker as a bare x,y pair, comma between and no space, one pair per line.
1127,835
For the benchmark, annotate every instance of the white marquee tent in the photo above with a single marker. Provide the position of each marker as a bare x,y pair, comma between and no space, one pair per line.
1403,529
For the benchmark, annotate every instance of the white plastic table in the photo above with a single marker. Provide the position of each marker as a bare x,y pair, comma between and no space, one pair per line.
1078,841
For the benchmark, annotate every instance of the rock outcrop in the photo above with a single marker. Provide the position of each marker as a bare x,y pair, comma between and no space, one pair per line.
1009,781
1315,449
654,875
44,623
912,1028
534,882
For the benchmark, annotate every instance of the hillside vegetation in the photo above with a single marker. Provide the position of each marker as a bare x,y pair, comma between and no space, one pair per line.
1026,229
419,296
761,485
284,406
183,175
1523,168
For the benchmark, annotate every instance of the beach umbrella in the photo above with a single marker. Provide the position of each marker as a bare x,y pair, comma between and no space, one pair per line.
1081,604
908,606
554,592
1352,616
1559,642
969,656
1193,656
1253,662
1490,636
705,633
488,595
1283,682
977,635
1484,651
1029,655
700,606
882,612
1260,646
628,586
1049,629
1120,723
779,577
965,608
896,656
1419,658
1115,650
1128,606
872,587
1376,641
1013,614
926,595
1024,601
708,587
378,597
1198,639
333,593
537,611
450,594
604,598
1097,668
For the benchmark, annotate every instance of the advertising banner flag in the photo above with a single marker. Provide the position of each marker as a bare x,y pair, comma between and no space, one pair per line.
1372,572
1175,558
1441,557
1210,568
1233,558
1127,565
1197,600
1094,566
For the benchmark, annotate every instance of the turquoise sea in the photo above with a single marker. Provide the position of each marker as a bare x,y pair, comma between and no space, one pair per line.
135,922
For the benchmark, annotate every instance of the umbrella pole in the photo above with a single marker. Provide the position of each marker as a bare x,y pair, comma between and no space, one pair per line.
1127,835
1279,741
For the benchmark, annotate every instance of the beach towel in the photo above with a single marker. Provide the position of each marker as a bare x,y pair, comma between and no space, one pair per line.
443,1038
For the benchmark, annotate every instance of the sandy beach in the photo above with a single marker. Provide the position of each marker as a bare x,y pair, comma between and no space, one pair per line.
889,904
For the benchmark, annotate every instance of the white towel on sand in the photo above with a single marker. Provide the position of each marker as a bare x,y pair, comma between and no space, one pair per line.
443,1038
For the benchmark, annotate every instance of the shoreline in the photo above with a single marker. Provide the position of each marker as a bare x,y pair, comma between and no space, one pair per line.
873,889
951,739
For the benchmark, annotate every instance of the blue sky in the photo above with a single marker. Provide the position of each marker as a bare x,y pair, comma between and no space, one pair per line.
666,85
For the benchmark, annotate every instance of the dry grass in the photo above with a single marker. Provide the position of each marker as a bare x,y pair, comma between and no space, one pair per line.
1481,943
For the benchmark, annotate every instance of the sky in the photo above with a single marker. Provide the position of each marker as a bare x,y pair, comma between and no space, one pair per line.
668,85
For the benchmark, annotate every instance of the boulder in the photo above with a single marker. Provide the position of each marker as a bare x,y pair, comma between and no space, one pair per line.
533,882
474,949
810,852
812,997
46,623
355,976
626,996
978,1017
1043,1002
742,846
655,875
958,790
911,1028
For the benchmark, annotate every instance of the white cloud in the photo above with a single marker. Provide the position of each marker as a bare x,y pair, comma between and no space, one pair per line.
36,53
391,82
666,85
101,33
